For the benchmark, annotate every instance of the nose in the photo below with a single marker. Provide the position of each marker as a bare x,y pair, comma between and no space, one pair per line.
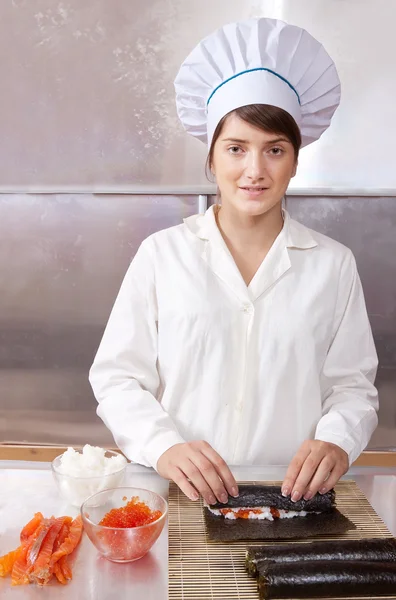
255,167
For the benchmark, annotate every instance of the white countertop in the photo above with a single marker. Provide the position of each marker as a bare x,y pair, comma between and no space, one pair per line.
26,487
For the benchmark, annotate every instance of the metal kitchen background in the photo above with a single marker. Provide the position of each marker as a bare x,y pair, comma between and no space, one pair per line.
93,159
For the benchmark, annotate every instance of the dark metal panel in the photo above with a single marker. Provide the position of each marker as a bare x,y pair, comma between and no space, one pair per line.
62,260
367,226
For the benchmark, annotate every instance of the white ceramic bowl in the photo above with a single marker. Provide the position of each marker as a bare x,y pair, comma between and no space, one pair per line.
75,490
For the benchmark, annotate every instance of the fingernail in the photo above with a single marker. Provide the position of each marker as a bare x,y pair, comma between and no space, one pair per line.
296,496
322,491
234,492
285,492
223,498
212,500
194,496
308,495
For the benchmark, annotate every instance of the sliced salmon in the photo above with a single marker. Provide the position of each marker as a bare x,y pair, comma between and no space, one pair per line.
19,573
7,562
45,546
38,538
70,542
61,567
42,572
31,527
22,565
65,568
57,570
63,534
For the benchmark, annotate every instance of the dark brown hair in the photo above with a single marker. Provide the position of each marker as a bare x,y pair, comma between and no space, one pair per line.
266,117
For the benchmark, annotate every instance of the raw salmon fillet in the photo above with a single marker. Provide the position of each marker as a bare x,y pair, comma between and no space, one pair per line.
43,553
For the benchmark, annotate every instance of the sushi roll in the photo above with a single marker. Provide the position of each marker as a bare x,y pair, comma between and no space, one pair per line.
324,579
260,512
370,550
267,502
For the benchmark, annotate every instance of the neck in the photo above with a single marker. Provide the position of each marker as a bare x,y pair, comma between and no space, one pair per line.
250,232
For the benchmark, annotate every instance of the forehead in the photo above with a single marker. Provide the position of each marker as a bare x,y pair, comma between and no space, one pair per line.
236,128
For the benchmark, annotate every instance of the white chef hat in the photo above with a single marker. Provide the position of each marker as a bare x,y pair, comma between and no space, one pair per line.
258,61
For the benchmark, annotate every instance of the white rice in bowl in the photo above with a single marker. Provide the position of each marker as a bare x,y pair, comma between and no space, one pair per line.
81,474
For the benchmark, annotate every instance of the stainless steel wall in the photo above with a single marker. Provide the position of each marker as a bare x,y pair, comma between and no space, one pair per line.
87,104
367,225
62,258
88,100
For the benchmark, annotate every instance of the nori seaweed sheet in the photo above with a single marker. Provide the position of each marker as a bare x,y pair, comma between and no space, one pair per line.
269,495
323,579
370,550
221,529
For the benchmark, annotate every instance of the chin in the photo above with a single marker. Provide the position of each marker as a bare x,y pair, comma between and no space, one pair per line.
255,208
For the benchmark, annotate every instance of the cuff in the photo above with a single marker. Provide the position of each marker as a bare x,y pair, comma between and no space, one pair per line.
161,442
346,444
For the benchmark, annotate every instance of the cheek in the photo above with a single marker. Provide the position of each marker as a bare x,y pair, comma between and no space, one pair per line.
228,172
282,172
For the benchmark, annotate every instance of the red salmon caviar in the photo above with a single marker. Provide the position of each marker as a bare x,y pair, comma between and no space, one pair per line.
133,514
241,513
244,513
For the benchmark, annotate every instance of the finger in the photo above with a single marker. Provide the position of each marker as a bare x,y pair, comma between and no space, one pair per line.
209,473
181,480
335,475
193,472
307,471
319,477
222,469
294,469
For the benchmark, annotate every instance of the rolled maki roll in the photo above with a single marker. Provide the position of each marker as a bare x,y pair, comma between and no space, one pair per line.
323,579
267,502
260,512
370,550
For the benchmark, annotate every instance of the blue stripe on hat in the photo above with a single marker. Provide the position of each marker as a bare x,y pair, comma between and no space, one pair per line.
251,71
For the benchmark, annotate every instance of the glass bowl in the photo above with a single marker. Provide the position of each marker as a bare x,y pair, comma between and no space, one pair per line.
77,489
122,544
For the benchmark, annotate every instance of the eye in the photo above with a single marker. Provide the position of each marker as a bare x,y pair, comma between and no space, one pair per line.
276,151
234,150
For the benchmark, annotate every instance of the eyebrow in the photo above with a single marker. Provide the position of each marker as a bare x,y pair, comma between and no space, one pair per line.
273,141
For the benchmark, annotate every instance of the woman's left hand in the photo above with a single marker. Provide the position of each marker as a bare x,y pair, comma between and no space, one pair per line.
316,467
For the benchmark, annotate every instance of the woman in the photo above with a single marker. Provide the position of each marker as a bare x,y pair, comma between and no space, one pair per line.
241,336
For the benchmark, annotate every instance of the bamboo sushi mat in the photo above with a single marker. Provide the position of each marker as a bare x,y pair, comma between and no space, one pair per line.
203,570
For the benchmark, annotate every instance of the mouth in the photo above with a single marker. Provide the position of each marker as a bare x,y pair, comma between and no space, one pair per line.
253,190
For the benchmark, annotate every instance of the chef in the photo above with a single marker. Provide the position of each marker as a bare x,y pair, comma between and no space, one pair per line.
241,337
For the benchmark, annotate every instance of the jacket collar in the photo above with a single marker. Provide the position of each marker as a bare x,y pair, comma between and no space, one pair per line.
274,266
296,235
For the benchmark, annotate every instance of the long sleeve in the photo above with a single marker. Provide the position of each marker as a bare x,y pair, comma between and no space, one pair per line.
350,400
124,375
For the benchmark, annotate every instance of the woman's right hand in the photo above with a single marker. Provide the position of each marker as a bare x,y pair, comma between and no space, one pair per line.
197,469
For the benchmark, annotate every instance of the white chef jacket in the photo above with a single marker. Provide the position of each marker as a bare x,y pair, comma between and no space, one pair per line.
190,352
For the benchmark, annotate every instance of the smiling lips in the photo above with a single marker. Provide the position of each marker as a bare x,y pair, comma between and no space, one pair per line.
253,191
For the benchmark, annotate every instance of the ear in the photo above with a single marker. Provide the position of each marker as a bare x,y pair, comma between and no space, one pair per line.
295,168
